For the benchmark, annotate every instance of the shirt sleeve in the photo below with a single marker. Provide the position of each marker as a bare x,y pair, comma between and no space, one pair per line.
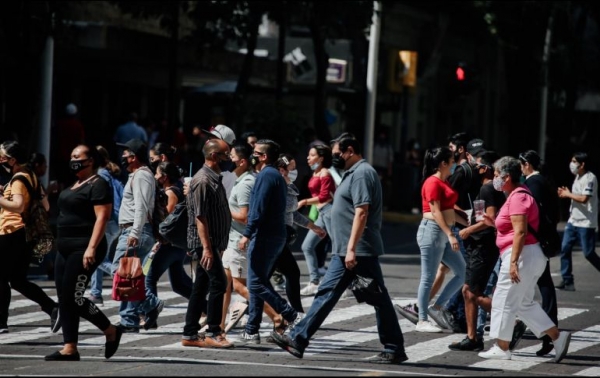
327,189
361,190
101,193
431,191
588,189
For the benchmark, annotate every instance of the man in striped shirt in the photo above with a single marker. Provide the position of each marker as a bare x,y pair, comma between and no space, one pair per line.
208,232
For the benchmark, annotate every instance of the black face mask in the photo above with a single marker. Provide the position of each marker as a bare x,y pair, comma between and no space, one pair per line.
77,165
125,162
338,161
7,167
154,164
254,161
226,165
456,156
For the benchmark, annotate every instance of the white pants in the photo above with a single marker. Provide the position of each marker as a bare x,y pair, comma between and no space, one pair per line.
516,299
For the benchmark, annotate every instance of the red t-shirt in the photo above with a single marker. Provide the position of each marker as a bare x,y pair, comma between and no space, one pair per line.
322,187
435,189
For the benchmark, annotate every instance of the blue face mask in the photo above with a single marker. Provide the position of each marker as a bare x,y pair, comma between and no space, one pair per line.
314,166
452,168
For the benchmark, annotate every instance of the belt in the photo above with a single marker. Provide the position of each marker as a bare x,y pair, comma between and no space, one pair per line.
125,225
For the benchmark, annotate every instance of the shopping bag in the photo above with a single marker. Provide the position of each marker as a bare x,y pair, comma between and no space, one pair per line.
129,280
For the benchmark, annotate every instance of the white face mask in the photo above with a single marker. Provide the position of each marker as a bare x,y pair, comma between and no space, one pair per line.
293,175
573,167
498,183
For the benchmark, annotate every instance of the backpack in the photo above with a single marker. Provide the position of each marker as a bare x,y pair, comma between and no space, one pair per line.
117,187
547,235
174,227
38,232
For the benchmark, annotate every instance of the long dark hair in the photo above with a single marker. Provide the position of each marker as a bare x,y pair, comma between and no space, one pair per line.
433,158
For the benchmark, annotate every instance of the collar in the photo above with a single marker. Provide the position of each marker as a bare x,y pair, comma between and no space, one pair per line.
353,168
532,174
240,177
212,174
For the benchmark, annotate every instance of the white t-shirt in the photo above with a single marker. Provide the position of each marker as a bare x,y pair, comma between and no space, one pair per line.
585,214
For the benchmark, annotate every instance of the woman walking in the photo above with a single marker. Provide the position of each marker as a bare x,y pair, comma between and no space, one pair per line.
84,210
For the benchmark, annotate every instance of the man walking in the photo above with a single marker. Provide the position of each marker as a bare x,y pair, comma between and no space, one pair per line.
266,234
134,220
208,231
357,245
583,220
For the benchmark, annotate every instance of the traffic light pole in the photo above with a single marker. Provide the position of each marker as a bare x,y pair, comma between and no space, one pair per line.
544,91
372,82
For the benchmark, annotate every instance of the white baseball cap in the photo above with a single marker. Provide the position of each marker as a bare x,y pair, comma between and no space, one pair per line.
222,132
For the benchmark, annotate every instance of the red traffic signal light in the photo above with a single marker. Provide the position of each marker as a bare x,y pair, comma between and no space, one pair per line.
460,74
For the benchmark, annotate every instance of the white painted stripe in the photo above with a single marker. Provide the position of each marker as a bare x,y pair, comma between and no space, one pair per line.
591,372
525,358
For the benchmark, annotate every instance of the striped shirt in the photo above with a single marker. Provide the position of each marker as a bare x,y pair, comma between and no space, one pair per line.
206,198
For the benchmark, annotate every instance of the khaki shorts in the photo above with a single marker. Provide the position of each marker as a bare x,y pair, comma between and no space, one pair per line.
236,262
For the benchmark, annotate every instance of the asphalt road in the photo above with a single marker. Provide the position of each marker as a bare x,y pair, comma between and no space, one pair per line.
340,348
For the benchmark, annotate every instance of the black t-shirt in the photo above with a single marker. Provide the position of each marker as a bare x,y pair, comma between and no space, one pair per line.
492,197
466,181
76,216
545,195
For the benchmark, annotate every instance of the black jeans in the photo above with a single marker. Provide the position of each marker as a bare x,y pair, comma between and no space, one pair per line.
548,292
288,266
213,282
71,280
16,255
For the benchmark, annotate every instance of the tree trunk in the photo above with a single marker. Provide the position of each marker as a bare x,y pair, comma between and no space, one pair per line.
322,61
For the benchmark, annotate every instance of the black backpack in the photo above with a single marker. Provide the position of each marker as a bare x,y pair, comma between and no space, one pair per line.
547,234
174,226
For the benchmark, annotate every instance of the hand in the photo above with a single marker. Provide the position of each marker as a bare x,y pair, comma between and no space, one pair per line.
453,243
207,259
319,231
563,192
301,204
350,260
186,188
243,243
132,241
489,221
464,233
89,258
514,273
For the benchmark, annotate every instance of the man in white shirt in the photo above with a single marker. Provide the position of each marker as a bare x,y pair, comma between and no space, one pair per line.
583,220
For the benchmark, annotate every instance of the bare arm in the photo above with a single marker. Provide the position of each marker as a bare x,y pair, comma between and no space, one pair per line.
439,219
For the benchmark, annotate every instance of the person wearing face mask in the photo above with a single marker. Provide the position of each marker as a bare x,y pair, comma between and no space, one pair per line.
522,264
165,256
286,263
135,223
84,210
583,219
322,189
16,252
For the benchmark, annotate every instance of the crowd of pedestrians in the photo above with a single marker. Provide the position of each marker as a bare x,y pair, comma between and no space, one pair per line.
243,209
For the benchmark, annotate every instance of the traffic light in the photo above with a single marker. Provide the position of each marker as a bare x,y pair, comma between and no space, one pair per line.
460,73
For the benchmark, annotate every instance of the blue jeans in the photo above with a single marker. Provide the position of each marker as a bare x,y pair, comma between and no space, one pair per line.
111,233
171,258
311,240
489,289
334,284
587,239
456,304
130,311
435,248
263,252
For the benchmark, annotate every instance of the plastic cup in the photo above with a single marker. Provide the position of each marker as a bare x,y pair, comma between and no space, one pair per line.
479,208
186,180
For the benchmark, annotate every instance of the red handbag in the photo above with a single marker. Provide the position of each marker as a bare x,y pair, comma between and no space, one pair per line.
129,282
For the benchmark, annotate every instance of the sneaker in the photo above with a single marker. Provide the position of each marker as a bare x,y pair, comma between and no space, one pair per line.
247,338
347,294
298,319
218,341
237,311
310,289
98,301
152,316
410,312
3,328
467,344
546,348
389,358
427,326
278,277
439,317
566,286
495,353
287,344
55,322
517,335
198,342
561,346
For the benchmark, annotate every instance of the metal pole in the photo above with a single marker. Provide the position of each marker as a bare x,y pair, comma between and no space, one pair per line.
46,104
372,81
544,92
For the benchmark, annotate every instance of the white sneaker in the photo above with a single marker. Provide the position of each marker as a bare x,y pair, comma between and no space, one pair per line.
310,289
561,346
427,326
299,318
237,311
495,353
347,294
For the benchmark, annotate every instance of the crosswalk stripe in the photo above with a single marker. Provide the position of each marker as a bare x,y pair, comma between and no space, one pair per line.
591,372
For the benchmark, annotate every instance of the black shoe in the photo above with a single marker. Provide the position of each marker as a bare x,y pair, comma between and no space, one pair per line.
389,358
126,329
566,286
110,347
467,344
152,316
55,321
286,343
546,348
56,356
518,332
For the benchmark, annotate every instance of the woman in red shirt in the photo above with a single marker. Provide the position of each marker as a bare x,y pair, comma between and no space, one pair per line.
322,187
435,238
